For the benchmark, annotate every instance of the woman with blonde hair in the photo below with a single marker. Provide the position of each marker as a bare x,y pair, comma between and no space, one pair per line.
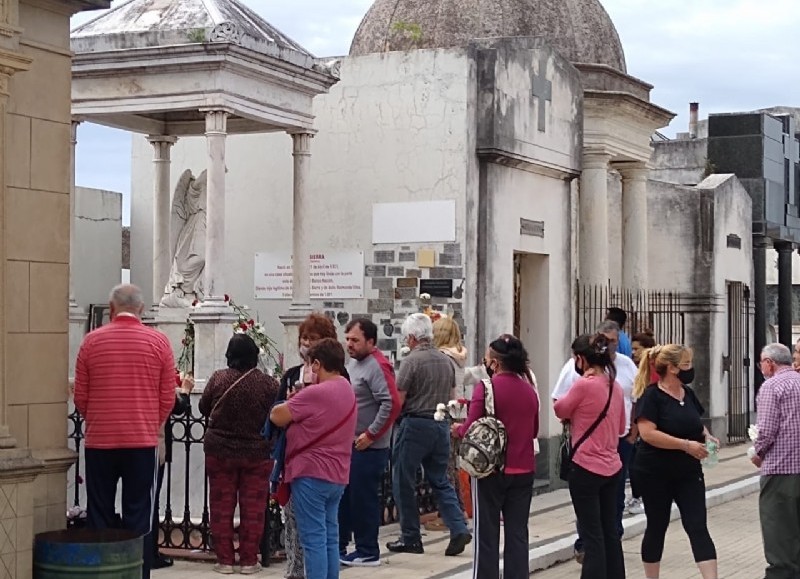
667,466
447,339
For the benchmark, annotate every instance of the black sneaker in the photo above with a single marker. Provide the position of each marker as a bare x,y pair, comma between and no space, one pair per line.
457,544
399,546
162,562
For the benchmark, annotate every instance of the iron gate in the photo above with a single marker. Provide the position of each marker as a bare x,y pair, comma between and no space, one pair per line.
737,363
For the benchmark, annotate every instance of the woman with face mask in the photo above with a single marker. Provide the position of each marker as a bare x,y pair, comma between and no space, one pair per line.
314,329
595,408
667,466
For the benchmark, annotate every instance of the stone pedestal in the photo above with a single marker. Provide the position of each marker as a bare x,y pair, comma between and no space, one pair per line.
18,471
172,323
213,328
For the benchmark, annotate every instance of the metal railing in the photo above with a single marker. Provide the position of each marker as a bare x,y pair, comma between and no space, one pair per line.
185,521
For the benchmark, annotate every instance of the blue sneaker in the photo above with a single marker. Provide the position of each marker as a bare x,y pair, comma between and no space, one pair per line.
357,559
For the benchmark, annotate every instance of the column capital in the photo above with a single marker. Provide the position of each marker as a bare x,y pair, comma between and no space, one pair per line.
596,159
783,246
760,242
632,171
162,144
301,141
168,139
216,120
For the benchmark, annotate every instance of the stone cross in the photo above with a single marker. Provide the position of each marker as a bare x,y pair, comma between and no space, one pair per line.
543,92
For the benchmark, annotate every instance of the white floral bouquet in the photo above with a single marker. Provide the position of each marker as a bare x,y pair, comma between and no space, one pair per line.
752,433
450,410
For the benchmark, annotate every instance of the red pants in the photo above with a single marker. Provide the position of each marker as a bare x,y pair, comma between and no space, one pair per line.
245,481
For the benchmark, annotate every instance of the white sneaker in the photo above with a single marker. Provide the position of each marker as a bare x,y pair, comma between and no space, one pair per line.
636,507
250,569
223,569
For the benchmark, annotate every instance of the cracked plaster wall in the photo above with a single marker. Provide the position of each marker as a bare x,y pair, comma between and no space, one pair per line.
98,236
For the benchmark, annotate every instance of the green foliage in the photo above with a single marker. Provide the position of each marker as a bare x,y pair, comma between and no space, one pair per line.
198,35
410,30
710,168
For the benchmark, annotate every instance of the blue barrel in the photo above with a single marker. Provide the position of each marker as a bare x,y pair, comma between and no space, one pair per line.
107,554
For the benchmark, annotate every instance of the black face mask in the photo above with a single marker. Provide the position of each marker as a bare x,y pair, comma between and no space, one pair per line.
686,376
578,369
489,370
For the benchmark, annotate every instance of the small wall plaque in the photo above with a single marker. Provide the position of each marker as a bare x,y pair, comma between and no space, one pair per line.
436,288
734,241
532,228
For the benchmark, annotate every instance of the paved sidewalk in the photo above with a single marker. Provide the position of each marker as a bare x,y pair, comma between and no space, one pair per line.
737,535
551,533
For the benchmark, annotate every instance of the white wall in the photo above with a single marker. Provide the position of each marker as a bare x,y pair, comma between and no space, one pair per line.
98,240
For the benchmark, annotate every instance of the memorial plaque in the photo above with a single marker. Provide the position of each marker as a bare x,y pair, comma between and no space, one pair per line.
407,282
380,283
414,273
396,271
436,288
375,271
734,241
384,257
532,228
450,259
446,272
407,256
405,293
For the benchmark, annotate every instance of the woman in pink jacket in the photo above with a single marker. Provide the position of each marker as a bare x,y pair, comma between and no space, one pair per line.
595,409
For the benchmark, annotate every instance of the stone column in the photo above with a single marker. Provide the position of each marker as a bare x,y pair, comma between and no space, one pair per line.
634,225
303,208
760,245
785,251
593,219
214,318
162,254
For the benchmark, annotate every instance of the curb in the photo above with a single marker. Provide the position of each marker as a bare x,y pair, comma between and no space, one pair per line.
561,550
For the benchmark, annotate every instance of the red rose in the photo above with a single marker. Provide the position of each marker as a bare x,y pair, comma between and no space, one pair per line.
195,302
79,479
227,298
251,323
178,380
243,326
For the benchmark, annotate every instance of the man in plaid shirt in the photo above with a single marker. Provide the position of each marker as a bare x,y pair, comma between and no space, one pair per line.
778,456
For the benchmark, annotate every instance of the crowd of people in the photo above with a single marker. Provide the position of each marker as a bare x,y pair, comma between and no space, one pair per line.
333,421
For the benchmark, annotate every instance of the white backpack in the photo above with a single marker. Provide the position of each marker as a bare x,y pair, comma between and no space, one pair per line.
483,448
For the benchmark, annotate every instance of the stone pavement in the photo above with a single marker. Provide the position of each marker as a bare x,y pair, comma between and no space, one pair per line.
552,529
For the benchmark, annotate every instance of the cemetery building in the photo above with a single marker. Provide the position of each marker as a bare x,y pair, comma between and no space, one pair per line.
500,165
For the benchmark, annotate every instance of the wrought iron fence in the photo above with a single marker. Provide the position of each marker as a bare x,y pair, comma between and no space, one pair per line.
660,312
185,524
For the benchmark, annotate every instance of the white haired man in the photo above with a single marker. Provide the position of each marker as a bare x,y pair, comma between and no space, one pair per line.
426,378
778,456
125,389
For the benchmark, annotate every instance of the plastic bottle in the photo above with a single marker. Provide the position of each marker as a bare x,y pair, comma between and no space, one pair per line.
712,459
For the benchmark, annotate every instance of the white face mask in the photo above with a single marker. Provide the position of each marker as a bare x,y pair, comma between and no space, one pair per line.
304,351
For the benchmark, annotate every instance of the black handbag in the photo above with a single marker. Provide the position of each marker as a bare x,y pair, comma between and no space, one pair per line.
568,451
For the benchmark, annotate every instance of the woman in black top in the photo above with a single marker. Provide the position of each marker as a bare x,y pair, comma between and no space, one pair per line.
667,466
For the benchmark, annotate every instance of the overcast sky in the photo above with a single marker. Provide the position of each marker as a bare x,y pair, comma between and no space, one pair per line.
730,55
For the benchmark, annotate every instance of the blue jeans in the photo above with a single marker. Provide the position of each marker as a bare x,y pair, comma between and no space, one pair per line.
360,508
625,451
424,442
316,506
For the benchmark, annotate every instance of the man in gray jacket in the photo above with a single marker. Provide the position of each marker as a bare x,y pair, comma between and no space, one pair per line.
426,379
372,377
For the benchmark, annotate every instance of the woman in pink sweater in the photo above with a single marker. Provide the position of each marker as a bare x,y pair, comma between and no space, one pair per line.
596,469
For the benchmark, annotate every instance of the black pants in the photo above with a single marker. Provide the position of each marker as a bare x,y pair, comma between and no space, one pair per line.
152,539
779,508
594,499
510,495
688,490
137,468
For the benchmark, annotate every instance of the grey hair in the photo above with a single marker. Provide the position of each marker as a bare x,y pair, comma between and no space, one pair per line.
778,353
419,326
127,297
607,326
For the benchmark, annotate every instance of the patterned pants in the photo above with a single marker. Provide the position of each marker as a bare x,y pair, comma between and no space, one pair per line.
452,469
295,568
232,480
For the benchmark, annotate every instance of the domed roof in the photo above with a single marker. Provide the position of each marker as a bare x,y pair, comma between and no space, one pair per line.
581,30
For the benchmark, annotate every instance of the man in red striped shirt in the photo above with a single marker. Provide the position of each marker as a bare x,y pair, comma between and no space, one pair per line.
125,389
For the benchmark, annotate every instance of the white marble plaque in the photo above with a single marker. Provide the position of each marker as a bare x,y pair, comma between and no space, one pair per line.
334,275
417,222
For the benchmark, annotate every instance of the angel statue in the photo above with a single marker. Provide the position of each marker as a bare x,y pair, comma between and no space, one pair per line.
187,237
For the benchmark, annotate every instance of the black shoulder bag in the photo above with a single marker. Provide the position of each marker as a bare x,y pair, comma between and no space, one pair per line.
568,451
